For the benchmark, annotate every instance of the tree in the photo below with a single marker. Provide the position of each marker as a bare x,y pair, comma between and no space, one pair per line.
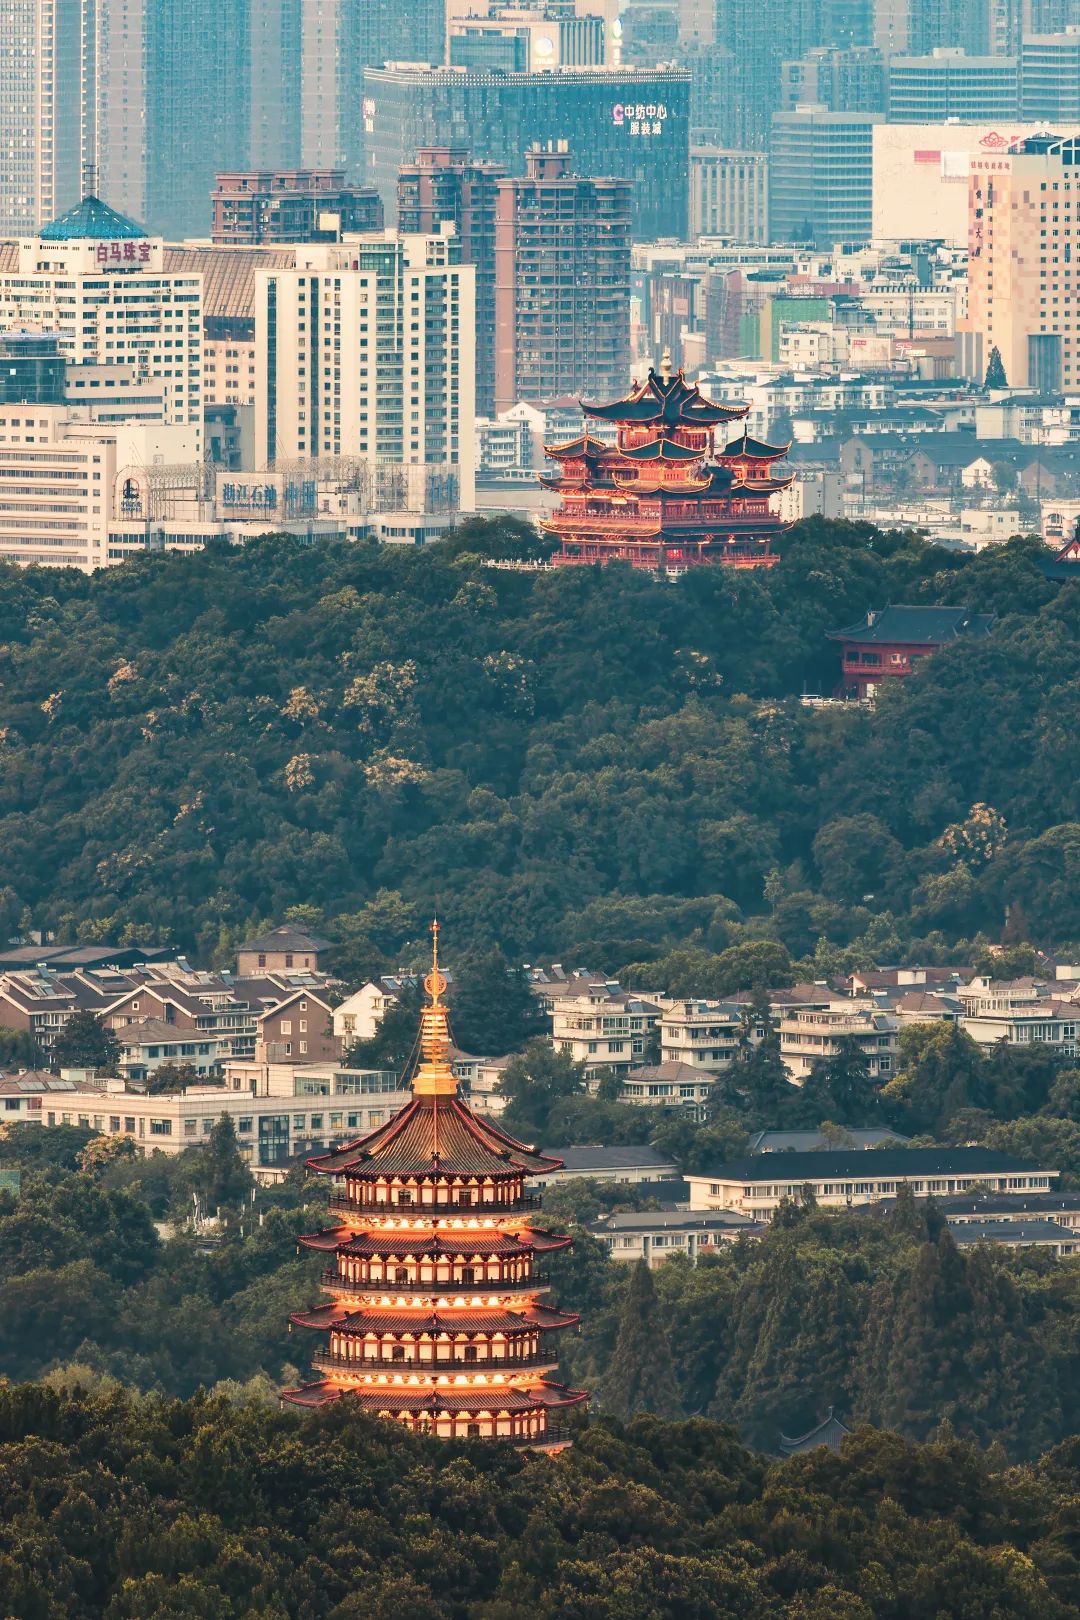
995,370
640,1376
217,1172
86,1043
18,1049
761,1073
175,1076
535,1080
840,1088
493,1009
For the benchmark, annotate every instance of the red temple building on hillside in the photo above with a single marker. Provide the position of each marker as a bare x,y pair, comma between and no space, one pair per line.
438,1318
890,642
663,496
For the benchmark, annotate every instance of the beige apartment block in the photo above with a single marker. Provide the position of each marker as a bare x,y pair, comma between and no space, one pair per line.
1023,213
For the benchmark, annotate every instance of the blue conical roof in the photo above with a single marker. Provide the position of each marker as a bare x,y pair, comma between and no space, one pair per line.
91,221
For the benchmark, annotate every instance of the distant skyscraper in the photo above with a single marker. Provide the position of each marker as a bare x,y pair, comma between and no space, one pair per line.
821,176
562,283
339,38
257,207
40,48
842,80
631,124
951,84
274,35
1050,77
444,186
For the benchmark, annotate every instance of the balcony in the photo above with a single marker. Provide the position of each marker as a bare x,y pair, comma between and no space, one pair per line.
538,1283
339,1204
328,1363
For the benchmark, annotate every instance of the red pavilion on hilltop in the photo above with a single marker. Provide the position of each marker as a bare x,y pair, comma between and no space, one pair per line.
437,1316
664,497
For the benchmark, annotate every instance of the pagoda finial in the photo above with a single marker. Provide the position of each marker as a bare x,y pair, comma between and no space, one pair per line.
435,1077
665,365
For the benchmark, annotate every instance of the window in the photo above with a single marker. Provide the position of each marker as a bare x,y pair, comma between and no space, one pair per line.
161,1127
12,1104
190,1127
244,1125
129,1123
316,1122
114,1122
286,1026
262,959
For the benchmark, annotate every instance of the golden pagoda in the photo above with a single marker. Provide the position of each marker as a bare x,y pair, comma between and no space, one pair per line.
437,1317
667,495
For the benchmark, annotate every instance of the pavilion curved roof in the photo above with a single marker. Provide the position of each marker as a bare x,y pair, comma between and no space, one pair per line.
661,450
583,445
666,399
756,449
434,1136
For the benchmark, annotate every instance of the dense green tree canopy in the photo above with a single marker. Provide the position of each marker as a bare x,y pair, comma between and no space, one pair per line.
584,763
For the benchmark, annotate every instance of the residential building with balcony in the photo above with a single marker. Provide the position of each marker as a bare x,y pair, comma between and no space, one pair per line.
668,1085
700,1035
606,1031
266,206
806,1037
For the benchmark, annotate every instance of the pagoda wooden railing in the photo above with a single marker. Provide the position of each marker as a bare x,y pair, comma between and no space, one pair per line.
339,1204
325,1361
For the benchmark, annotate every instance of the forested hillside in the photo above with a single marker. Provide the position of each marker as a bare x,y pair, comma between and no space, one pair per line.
588,763
206,1511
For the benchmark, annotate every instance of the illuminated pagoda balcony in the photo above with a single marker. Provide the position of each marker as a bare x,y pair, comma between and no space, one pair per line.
435,1316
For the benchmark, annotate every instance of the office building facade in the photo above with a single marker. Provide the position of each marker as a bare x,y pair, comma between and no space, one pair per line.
562,283
367,350
729,194
1050,77
631,125
39,86
950,84
443,187
821,176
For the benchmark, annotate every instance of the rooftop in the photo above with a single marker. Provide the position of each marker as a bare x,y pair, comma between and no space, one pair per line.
857,1165
91,221
1012,1232
594,1157
671,1220
815,1142
915,626
286,938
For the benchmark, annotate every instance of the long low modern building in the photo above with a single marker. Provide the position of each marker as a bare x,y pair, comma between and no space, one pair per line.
757,1186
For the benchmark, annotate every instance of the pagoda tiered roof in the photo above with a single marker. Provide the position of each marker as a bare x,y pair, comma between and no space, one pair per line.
584,446
451,1319
667,400
443,1398
344,1240
661,450
434,1135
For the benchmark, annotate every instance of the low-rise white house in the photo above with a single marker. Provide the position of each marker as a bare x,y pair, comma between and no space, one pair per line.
655,1235
667,1085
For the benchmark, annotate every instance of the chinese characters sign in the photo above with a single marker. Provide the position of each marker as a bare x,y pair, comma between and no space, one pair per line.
640,118
115,255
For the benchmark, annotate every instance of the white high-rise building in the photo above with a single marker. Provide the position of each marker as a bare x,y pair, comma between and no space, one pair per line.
367,349
40,78
99,282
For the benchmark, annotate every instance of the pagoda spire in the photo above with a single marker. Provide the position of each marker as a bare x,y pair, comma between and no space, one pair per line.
434,1076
